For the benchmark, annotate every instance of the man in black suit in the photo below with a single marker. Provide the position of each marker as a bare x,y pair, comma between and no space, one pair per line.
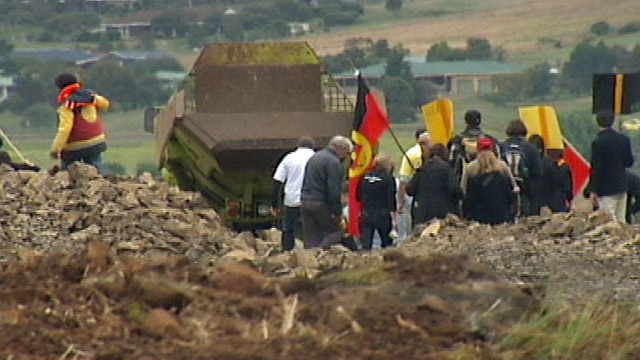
611,155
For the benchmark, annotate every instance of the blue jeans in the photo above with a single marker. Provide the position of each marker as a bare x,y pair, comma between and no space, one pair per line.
94,160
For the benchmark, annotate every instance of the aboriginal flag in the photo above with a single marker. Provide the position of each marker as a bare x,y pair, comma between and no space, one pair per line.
369,124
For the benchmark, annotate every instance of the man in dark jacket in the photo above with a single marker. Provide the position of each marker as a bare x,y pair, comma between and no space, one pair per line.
462,148
633,196
321,204
611,155
434,188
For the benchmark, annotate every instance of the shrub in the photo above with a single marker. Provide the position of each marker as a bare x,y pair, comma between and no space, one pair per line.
600,28
630,27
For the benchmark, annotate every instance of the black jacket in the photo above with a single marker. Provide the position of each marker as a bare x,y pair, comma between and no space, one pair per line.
532,158
378,192
435,190
323,179
633,194
610,156
489,198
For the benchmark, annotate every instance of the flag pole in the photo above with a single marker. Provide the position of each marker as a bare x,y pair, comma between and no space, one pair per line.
404,153
393,135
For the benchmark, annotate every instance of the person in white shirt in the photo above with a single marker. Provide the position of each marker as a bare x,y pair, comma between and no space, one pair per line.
290,173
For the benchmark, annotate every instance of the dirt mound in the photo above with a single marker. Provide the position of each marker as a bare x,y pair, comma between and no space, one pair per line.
94,304
102,268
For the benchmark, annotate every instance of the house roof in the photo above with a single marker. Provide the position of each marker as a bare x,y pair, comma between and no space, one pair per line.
140,54
62,54
438,68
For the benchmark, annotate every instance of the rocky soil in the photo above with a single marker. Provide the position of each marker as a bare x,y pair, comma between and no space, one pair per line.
122,268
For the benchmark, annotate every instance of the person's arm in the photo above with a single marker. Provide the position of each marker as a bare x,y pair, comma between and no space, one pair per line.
65,124
412,186
102,103
335,179
276,196
629,153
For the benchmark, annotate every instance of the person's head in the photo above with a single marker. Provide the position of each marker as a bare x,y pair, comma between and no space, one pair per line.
537,141
418,132
605,119
65,79
424,140
472,118
438,150
384,161
342,146
516,128
488,162
306,142
485,143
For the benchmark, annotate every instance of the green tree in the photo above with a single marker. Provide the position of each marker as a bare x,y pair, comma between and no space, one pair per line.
171,23
600,28
232,28
397,66
393,5
580,129
584,61
276,29
538,81
443,52
478,49
293,10
400,96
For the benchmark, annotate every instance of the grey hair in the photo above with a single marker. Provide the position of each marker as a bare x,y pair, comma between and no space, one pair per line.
341,142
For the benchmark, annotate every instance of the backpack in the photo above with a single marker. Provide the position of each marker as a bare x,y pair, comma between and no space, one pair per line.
514,156
469,147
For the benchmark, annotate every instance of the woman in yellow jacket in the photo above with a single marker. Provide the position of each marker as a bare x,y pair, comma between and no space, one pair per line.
81,136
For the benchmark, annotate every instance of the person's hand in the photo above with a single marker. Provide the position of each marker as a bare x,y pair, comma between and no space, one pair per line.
274,211
54,154
594,201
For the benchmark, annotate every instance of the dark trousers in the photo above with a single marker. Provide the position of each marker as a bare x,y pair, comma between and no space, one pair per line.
321,227
372,221
290,223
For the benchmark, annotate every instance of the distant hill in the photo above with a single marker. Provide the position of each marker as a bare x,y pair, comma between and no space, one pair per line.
522,27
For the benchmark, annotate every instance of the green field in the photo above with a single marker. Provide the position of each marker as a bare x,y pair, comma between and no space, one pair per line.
128,144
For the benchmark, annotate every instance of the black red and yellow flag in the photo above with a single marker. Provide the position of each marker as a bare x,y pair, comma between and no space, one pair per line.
369,123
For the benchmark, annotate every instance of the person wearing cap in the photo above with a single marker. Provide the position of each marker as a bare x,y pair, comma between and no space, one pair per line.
81,135
473,168
434,188
489,188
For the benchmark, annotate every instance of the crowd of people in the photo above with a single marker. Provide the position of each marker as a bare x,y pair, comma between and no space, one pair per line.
474,176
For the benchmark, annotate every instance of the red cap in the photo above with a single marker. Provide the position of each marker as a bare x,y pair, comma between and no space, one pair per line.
484,143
